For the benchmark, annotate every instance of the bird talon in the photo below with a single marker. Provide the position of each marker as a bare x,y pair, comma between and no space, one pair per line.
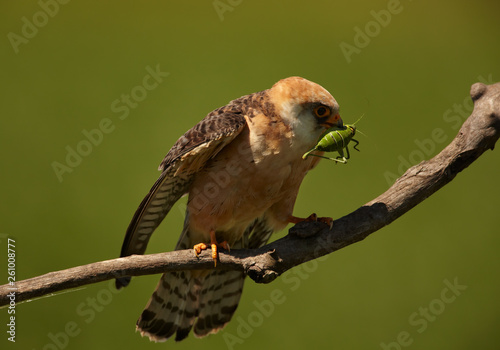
326,220
225,245
213,246
199,247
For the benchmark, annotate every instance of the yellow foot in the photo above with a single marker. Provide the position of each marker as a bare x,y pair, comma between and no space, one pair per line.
199,247
312,217
213,245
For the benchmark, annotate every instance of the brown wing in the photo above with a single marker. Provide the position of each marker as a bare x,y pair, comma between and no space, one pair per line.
188,155
218,125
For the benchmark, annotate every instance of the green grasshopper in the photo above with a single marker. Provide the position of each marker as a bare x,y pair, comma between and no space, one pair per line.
335,139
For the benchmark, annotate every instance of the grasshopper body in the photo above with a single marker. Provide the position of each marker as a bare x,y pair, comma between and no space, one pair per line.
335,140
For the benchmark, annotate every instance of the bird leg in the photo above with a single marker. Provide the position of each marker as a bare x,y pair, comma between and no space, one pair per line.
213,244
313,217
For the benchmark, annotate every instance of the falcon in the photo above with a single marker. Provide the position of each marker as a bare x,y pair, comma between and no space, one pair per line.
241,167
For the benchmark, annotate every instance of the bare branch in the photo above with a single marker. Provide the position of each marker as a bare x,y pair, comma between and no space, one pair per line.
305,241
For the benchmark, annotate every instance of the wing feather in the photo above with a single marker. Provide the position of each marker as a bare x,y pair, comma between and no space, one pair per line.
188,155
220,125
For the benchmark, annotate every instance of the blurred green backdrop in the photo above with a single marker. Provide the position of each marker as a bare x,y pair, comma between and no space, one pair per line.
407,67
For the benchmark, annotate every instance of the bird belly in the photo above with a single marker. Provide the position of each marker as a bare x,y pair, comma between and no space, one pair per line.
233,190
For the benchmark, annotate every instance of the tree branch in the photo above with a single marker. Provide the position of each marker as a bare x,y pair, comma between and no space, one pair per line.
305,241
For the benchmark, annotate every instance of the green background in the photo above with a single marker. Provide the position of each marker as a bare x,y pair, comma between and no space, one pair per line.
414,70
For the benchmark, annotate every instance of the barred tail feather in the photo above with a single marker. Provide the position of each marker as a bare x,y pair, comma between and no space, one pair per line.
204,301
172,307
183,300
219,299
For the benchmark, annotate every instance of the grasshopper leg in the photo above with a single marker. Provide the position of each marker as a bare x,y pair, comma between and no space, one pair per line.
356,144
340,160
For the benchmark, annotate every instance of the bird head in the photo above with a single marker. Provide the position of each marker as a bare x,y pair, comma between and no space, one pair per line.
305,107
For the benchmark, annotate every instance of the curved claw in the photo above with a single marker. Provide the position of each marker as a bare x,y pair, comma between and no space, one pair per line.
326,220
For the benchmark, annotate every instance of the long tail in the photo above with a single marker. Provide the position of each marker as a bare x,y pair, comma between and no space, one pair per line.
186,300
204,301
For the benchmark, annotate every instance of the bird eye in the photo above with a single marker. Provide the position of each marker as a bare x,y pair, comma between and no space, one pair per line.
322,111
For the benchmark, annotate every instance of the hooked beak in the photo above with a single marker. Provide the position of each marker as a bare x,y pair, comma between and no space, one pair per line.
332,121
